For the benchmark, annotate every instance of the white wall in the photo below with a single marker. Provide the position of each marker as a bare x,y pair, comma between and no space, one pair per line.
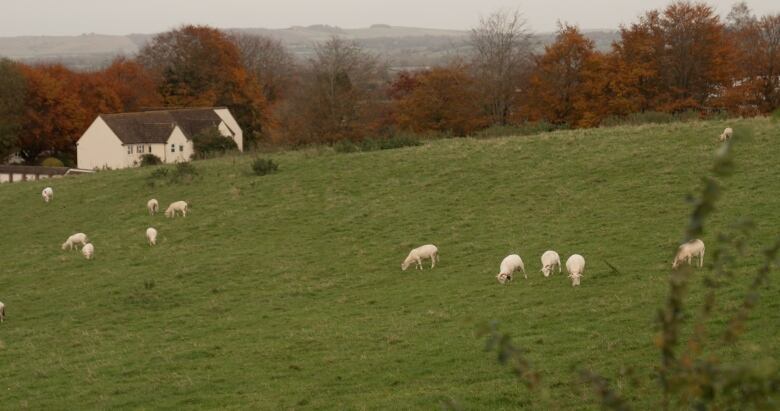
178,140
99,147
225,115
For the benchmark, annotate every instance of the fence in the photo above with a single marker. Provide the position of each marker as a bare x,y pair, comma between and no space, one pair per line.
14,174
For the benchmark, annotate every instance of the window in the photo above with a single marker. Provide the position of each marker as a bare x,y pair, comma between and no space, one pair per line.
129,149
140,149
173,148
181,148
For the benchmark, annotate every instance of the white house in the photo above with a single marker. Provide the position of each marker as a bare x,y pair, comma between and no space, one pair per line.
119,140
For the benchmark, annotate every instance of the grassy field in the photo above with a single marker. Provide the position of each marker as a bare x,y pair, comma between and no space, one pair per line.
285,291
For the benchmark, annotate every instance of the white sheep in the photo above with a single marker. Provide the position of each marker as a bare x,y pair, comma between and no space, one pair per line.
726,134
47,194
74,240
509,265
152,205
575,265
688,251
151,235
420,253
2,312
550,260
88,251
180,206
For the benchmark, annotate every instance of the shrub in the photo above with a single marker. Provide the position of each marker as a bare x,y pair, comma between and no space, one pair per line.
150,160
52,162
210,142
345,146
524,129
378,143
181,173
263,166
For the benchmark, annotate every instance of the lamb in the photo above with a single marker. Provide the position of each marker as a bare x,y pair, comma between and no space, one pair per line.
550,260
688,251
47,194
509,265
88,251
420,253
2,312
575,265
726,135
152,205
74,240
151,235
181,206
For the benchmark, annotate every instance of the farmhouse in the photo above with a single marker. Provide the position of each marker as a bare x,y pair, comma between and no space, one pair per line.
119,140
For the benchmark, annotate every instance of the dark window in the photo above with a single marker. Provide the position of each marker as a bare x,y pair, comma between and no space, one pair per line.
140,149
173,148
129,149
181,148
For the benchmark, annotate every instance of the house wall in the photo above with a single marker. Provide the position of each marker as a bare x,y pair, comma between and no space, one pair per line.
99,147
226,117
178,140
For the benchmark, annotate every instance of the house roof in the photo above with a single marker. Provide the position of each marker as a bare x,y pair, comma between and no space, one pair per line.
155,127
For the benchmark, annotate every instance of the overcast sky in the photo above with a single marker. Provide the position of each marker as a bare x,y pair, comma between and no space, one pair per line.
72,17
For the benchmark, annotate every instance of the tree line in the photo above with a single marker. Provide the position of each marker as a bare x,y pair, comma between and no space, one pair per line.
680,58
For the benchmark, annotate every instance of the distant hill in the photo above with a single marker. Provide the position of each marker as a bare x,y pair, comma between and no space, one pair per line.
400,46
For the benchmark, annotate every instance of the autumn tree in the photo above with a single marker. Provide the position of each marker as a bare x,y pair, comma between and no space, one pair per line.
501,52
12,94
442,99
567,83
758,61
132,84
53,117
269,61
340,91
200,66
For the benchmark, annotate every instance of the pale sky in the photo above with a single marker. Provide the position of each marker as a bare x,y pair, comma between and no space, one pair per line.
73,17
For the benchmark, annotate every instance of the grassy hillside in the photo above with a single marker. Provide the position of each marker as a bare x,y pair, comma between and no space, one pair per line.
285,291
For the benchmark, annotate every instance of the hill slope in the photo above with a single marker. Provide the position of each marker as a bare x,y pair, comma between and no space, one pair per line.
284,291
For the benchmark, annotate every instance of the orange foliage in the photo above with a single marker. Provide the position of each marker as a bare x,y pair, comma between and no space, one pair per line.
442,99
567,84
201,66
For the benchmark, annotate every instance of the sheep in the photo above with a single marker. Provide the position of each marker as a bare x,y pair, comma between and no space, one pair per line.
181,206
550,260
726,135
509,265
152,205
47,194
2,312
575,265
88,251
151,235
688,251
418,254
74,240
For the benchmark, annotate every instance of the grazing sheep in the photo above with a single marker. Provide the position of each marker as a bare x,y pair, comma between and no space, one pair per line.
47,194
688,251
419,253
88,251
151,235
550,260
152,205
575,265
2,312
509,265
74,240
181,206
726,135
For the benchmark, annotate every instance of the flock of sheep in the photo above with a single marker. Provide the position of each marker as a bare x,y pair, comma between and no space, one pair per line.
575,265
88,249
